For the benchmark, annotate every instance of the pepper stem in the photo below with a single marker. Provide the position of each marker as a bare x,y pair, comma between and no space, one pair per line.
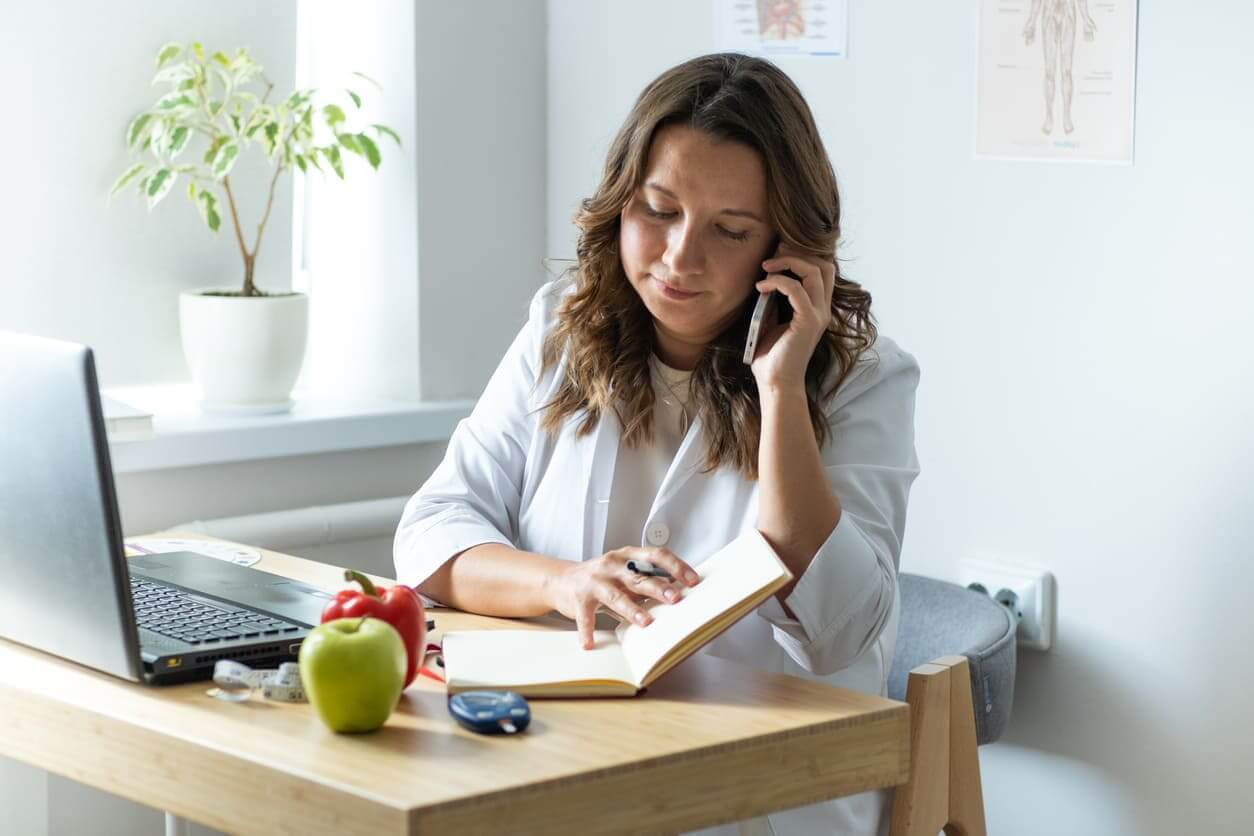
366,585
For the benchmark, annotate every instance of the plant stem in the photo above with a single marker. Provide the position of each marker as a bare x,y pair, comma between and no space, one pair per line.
261,227
249,288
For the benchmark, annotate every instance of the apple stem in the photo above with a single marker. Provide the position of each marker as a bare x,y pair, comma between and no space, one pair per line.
366,585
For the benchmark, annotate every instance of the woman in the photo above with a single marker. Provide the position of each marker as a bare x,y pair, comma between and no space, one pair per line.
623,423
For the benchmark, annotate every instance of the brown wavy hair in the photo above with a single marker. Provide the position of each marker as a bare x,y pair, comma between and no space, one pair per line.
604,328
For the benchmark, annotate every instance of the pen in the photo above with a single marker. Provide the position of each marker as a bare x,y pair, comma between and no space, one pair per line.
644,567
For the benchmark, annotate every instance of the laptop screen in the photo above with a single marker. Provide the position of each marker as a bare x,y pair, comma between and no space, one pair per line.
66,588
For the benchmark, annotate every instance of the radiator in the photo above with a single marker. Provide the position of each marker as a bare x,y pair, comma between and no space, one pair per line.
357,534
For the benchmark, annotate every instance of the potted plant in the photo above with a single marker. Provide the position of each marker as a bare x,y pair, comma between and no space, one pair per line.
244,345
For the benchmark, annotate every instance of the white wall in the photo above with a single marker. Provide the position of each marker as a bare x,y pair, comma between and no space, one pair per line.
1086,394
481,184
77,72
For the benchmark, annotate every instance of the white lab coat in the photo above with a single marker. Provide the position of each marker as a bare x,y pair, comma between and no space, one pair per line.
504,480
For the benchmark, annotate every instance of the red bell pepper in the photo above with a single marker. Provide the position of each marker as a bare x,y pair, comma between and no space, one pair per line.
398,605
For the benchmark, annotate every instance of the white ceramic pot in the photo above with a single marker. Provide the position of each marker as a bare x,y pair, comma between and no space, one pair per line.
244,352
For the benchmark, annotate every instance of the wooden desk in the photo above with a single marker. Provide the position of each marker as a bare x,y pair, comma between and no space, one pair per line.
688,753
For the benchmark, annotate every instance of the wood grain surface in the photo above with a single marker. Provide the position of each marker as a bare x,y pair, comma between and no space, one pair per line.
712,741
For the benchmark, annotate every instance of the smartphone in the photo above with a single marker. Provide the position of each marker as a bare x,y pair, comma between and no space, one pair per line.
766,303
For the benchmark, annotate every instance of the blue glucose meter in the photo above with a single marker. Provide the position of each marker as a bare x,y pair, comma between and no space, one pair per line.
490,712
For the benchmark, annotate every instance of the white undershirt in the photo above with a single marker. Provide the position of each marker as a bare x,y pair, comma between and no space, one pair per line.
638,472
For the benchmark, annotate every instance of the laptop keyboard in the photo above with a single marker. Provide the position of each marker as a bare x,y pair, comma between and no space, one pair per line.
179,615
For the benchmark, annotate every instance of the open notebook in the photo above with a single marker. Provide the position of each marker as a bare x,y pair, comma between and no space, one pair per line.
552,663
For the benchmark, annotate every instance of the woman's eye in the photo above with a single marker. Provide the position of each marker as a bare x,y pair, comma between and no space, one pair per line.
728,233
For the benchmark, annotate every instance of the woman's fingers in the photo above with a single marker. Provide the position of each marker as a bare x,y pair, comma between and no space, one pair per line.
586,621
658,589
818,278
663,559
808,274
617,600
610,584
798,296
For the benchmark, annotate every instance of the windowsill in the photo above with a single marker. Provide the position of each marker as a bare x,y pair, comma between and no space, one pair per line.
183,436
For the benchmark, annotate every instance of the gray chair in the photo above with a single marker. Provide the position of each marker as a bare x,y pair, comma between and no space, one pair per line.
955,666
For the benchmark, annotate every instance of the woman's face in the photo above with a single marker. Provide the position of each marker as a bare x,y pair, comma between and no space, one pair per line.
693,237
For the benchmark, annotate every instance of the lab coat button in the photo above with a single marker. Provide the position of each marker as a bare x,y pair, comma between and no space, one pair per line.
659,534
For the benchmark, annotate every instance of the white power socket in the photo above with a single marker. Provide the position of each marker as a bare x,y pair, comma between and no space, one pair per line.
1032,596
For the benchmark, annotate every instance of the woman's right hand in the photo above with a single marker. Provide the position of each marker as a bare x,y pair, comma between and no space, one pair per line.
579,589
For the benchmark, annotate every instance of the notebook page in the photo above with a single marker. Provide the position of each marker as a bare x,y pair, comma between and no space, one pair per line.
732,574
499,658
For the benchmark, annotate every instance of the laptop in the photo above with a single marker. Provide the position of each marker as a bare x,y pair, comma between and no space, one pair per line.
68,587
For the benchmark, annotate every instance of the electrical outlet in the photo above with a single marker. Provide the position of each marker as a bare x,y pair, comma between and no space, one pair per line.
1026,590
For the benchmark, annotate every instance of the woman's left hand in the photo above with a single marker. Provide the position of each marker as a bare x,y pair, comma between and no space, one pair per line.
784,349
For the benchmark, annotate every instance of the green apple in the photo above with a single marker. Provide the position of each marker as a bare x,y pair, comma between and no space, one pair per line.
353,670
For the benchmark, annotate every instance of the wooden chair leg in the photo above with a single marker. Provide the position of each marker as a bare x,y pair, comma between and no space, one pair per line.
966,793
921,806
944,791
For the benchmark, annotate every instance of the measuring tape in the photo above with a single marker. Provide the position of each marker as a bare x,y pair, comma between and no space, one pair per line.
236,682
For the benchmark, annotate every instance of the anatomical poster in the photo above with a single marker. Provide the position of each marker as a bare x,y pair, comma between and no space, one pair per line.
812,28
1056,80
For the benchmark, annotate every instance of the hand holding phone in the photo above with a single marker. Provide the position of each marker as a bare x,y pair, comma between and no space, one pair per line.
765,304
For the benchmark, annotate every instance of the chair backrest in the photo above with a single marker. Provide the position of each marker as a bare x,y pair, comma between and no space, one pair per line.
943,619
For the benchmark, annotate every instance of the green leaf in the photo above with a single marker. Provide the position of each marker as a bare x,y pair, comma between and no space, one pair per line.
185,85
298,98
356,99
225,159
208,206
313,159
159,185
369,79
334,114
178,140
127,176
168,52
350,142
191,190
136,129
384,129
214,107
212,151
301,132
301,164
257,119
272,133
221,59
175,74
160,128
175,101
235,123
244,67
370,150
200,52
332,153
